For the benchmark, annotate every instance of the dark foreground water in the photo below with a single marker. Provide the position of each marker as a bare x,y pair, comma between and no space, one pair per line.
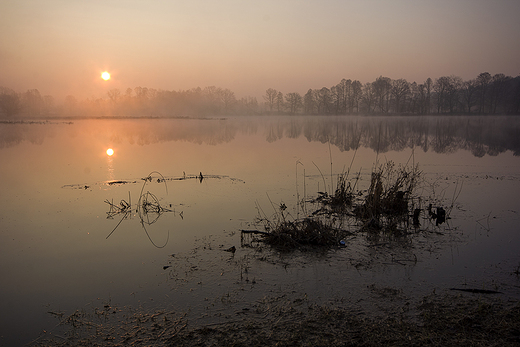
72,237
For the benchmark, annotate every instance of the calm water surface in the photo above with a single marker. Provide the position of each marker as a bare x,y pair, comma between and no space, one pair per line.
60,250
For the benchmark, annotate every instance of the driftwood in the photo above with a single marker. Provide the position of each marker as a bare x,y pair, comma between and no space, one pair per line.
254,232
476,291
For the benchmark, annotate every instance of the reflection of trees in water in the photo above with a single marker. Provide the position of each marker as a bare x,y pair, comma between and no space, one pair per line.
479,135
294,129
16,133
346,136
274,132
211,132
444,139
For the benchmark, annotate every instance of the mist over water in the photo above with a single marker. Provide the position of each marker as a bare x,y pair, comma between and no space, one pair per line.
481,136
61,249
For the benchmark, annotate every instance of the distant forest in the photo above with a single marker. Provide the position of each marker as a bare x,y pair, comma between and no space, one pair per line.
484,95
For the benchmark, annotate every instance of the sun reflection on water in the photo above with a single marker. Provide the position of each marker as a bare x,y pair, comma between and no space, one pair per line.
110,159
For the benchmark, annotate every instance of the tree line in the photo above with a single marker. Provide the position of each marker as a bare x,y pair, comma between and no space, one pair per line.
486,94
139,101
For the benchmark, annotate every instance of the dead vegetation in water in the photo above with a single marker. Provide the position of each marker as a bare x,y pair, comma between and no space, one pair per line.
387,203
185,177
298,234
388,206
113,326
285,233
441,320
148,207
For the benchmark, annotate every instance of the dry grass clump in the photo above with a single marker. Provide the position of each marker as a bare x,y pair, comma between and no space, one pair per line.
286,233
343,198
298,234
386,204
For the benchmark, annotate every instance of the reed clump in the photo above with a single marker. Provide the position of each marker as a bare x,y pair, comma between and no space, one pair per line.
297,234
387,203
286,233
344,196
386,206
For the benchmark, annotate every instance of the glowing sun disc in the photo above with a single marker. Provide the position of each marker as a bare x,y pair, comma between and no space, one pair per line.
110,152
105,75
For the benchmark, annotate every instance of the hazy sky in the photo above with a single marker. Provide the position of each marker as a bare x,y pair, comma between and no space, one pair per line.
61,46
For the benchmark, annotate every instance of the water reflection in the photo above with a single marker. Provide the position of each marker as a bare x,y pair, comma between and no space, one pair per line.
148,208
110,166
47,231
479,135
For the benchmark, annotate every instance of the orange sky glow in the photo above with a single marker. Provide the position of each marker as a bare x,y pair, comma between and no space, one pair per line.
62,47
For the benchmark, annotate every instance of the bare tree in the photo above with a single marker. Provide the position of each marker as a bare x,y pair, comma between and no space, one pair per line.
415,98
447,92
309,102
441,87
336,94
32,102
483,81
498,86
429,86
247,105
357,89
141,93
453,93
227,97
294,102
368,97
346,88
381,88
9,102
114,95
279,102
48,104
400,90
210,96
270,98
469,91
324,101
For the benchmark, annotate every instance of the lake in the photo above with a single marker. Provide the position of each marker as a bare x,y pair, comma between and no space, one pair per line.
73,237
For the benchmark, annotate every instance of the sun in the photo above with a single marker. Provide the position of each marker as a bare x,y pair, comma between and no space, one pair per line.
105,75
110,152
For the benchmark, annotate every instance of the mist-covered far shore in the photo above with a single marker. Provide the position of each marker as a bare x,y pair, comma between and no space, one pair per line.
448,95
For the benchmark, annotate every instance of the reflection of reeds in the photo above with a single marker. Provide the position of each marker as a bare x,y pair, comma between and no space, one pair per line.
148,208
386,204
114,210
